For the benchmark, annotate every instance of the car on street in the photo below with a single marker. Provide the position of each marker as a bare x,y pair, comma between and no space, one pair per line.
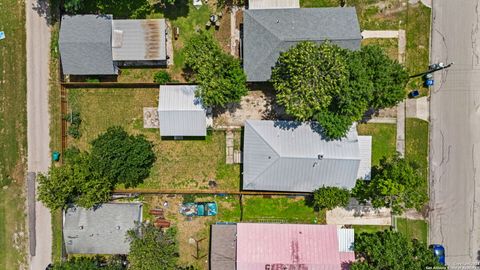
439,253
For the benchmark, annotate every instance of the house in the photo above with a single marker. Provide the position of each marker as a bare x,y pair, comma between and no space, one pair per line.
268,32
181,113
273,4
295,156
262,246
99,45
101,230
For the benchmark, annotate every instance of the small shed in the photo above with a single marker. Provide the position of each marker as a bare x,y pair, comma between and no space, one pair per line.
180,112
223,247
101,230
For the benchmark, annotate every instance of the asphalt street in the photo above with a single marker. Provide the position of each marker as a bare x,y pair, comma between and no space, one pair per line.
38,139
455,132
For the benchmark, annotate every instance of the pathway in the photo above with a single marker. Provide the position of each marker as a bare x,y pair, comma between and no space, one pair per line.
38,48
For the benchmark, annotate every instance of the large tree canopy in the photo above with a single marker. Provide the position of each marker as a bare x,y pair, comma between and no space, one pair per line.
151,248
395,183
124,158
330,197
336,86
221,78
391,250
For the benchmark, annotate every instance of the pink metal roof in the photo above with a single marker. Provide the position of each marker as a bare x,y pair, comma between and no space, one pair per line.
297,246
346,258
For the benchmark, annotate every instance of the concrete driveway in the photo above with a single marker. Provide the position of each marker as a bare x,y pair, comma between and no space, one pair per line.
455,132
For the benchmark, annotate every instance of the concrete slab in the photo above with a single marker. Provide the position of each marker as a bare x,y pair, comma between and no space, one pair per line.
356,214
400,146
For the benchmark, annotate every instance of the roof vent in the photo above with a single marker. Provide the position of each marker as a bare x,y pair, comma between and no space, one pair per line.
278,20
118,227
320,156
81,227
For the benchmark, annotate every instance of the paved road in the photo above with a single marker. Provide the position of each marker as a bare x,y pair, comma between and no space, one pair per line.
455,132
38,48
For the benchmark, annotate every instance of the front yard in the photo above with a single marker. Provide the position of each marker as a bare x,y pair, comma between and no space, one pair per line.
185,164
383,139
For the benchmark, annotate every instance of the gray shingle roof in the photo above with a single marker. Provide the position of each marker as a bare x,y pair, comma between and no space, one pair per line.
271,31
86,46
284,156
223,247
100,231
180,113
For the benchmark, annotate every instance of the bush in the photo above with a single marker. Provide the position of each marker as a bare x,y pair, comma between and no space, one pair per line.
162,77
330,197
74,121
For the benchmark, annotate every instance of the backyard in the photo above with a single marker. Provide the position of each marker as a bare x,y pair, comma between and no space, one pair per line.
185,164
13,145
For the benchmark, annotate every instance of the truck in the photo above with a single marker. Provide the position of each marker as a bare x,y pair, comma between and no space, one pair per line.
201,209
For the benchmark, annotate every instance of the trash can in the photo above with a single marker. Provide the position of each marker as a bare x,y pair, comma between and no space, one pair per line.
56,156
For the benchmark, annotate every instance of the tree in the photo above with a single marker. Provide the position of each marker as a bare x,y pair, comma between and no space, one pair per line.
151,248
388,77
72,6
395,183
220,76
336,86
391,250
58,188
122,158
330,197
162,77
307,76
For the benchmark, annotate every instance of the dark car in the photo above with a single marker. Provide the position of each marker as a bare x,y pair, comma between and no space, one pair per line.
439,253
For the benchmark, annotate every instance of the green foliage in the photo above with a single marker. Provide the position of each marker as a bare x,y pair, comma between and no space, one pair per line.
391,250
89,263
121,157
92,80
151,248
72,6
74,121
189,267
395,183
336,86
220,76
330,197
162,77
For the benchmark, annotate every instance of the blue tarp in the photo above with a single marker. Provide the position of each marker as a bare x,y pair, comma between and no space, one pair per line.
2,35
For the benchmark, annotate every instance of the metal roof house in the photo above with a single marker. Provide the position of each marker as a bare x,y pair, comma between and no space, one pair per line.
260,246
180,113
294,156
268,32
102,230
98,44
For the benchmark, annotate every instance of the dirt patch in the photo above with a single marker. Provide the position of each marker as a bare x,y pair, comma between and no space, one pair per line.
222,34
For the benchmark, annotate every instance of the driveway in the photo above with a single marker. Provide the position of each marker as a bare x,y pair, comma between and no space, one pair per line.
38,48
455,132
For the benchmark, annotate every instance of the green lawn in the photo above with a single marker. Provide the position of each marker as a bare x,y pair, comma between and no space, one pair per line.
414,229
383,139
416,145
186,164
13,145
389,45
57,241
370,228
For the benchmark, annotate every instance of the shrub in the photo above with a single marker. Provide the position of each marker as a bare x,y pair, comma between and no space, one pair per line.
162,77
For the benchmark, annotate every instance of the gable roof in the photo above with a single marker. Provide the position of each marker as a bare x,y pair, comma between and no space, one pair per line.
137,40
268,32
294,156
180,113
296,246
223,247
102,230
85,45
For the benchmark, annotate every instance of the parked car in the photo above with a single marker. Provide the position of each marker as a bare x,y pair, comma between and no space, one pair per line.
439,253
199,209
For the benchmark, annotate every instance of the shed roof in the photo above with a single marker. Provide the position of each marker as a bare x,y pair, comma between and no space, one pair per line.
223,247
138,40
85,45
268,32
180,113
294,156
291,245
102,230
271,4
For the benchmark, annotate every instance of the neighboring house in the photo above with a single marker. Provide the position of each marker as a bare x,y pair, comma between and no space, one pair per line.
180,113
101,230
261,246
294,156
273,4
268,32
98,44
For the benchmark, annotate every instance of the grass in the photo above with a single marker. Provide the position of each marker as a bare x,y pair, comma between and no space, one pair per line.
186,164
416,146
370,228
389,45
383,139
413,229
13,132
319,3
57,241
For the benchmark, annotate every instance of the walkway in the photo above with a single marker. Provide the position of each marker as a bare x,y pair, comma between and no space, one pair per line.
38,48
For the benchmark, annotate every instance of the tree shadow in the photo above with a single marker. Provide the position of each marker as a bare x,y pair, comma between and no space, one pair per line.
181,8
42,7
